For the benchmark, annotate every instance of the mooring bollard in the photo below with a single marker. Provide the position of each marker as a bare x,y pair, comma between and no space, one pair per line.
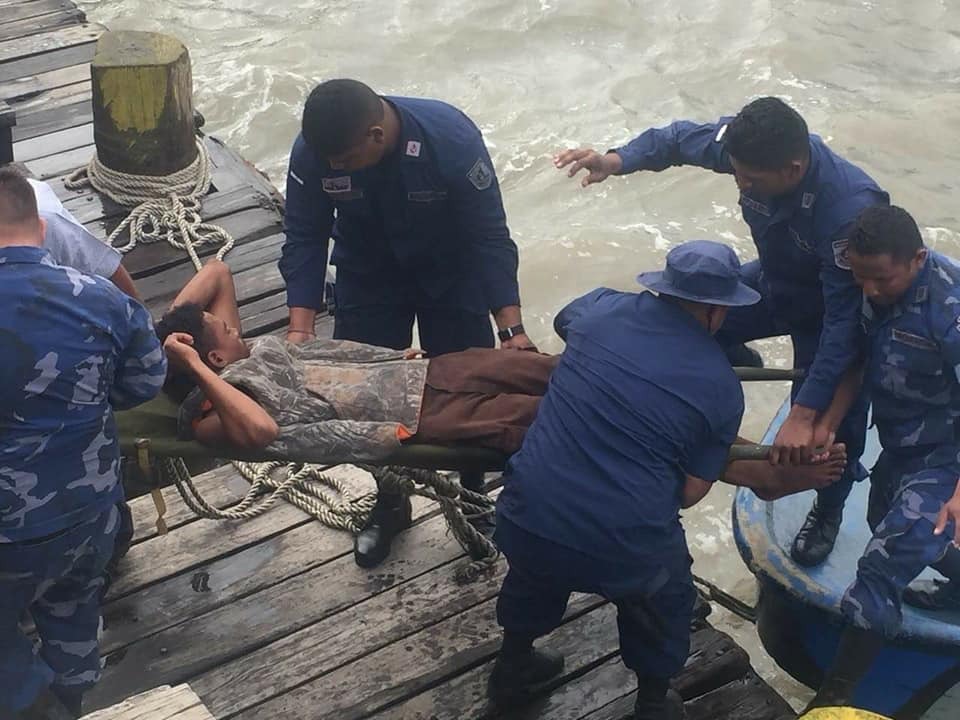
143,120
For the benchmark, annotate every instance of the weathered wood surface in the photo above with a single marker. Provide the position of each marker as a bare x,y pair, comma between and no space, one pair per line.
162,703
40,24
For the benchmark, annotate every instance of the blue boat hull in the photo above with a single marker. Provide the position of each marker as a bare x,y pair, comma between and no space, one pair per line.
799,608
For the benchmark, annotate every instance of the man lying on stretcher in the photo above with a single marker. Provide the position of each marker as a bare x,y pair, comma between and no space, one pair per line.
353,401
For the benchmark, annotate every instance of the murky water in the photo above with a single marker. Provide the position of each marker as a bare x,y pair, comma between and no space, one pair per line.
880,80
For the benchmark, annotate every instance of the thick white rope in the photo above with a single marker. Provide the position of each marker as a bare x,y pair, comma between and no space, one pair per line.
164,207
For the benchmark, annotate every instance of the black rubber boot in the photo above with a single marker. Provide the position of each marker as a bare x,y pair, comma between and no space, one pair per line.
743,356
48,706
391,515
518,675
934,595
669,707
817,536
856,653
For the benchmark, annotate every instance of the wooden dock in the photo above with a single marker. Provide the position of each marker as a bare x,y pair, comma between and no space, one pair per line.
271,618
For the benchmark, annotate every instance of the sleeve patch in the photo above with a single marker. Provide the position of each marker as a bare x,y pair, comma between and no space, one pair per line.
840,254
480,175
294,176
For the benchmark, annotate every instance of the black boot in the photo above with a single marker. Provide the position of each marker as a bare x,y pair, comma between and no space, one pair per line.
48,706
669,707
520,670
856,653
817,536
934,595
390,515
743,356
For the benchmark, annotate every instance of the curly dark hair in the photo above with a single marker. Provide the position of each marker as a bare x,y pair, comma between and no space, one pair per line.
768,134
886,230
186,318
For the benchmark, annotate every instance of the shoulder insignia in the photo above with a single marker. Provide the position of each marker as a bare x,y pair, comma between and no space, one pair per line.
413,148
480,175
840,254
806,202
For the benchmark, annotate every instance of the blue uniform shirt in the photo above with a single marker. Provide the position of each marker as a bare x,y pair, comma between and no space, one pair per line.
643,396
801,239
431,211
913,366
74,346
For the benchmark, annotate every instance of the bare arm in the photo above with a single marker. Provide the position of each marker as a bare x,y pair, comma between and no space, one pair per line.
212,289
694,490
773,482
121,278
237,419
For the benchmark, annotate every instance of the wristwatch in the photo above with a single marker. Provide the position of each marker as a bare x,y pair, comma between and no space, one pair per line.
510,332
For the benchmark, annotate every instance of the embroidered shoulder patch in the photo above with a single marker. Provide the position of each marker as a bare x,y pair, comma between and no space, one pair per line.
413,148
912,340
480,175
840,254
340,184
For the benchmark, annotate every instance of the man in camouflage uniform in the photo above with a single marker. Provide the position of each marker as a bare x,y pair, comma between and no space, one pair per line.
74,348
911,323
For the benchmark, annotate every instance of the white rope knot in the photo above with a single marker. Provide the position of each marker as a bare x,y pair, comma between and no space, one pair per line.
165,207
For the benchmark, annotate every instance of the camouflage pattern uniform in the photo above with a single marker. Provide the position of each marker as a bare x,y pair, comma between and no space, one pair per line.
333,399
74,347
913,377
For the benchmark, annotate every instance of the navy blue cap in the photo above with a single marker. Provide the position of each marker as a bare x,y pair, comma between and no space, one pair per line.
702,271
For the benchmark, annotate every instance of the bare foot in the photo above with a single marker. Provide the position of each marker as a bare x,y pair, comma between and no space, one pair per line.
789,479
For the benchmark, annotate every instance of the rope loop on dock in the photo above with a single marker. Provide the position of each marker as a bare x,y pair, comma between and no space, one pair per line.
164,207
305,486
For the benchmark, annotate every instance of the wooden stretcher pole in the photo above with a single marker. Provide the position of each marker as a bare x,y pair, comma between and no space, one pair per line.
149,471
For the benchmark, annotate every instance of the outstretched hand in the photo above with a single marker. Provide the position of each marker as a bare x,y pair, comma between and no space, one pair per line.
599,167
950,512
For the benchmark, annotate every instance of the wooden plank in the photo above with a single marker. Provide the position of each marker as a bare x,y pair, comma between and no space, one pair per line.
205,642
163,703
40,24
422,660
24,87
227,579
259,282
245,226
748,698
36,8
54,143
158,291
221,487
47,62
83,34
59,164
43,122
198,543
50,99
230,169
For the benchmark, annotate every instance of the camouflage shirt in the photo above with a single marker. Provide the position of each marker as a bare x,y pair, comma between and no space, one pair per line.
334,400
74,348
913,367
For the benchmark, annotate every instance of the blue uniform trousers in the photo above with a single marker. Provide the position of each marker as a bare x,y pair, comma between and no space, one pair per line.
905,499
58,579
654,603
379,311
758,321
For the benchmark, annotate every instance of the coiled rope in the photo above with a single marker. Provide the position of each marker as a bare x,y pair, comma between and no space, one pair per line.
164,207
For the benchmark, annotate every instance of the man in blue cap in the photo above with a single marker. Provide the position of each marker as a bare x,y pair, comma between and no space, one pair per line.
636,424
420,233
800,200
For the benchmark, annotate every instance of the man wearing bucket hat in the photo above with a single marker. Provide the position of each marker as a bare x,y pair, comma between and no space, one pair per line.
800,200
636,424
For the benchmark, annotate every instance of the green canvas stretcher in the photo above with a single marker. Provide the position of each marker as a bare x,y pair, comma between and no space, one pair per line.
156,423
